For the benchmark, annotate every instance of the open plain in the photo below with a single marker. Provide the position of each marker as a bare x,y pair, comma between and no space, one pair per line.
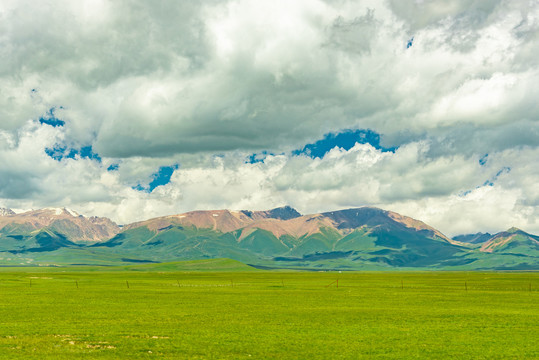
220,309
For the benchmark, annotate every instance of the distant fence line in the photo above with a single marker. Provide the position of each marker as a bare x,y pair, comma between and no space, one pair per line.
466,286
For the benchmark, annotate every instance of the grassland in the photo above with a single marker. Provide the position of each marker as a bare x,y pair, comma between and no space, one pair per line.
156,311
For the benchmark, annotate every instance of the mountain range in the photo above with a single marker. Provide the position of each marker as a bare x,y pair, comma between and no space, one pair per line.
364,238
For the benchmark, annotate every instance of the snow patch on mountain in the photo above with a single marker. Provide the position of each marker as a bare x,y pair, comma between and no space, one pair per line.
6,212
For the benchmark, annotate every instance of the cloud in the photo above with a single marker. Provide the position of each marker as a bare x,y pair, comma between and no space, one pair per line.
419,14
208,84
345,139
49,118
292,77
160,178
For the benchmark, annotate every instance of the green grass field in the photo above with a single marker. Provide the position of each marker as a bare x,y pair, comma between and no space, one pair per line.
66,313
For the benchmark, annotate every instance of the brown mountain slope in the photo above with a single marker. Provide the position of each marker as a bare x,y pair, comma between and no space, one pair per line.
221,220
6,212
510,239
343,221
419,225
304,225
76,227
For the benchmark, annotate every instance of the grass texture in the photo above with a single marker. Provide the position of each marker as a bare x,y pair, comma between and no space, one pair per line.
142,312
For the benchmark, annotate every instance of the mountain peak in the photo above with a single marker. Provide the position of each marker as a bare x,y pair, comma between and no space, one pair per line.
284,213
513,240
513,230
6,212
476,238
62,211
63,221
280,213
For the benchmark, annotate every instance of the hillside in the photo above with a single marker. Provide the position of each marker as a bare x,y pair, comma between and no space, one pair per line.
513,241
75,227
6,212
477,238
353,239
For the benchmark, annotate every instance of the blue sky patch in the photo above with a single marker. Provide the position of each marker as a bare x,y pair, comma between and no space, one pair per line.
258,157
410,43
86,152
113,167
488,182
50,119
504,170
59,152
346,140
483,160
161,177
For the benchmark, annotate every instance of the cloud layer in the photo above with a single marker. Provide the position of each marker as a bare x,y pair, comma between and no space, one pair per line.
205,85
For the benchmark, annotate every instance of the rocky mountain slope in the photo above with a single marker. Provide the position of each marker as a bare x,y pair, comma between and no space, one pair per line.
358,238
513,241
477,238
352,239
6,212
75,227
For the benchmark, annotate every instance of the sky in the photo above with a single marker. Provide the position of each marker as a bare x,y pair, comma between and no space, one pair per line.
136,109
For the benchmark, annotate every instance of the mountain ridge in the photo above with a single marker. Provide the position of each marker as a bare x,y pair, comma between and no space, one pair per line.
476,238
350,239
6,212
510,240
77,227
